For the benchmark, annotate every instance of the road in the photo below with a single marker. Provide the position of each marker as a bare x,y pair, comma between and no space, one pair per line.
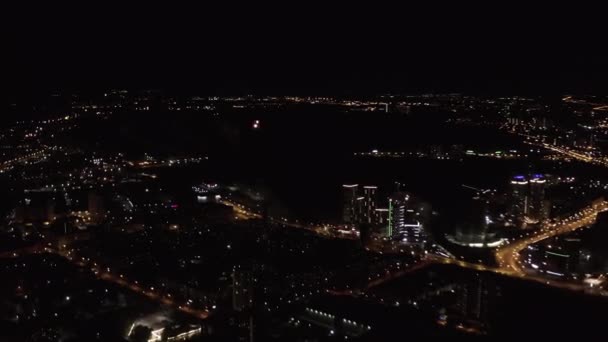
508,256
562,284
107,275
327,230
577,155
385,277
8,164
101,273
574,155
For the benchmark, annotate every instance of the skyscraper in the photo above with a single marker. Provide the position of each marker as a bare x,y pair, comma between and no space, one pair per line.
536,203
519,199
405,219
369,203
381,220
359,209
397,207
480,213
477,300
350,210
242,288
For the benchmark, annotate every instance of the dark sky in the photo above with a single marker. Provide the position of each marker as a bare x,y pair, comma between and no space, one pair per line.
313,51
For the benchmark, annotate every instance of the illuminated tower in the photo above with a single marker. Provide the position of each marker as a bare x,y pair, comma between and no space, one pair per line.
397,205
369,203
242,288
382,221
519,198
536,202
477,302
405,219
350,210
359,209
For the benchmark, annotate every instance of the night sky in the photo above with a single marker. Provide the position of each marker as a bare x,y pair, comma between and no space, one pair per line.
313,51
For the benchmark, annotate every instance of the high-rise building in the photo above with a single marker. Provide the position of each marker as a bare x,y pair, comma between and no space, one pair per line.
382,221
527,200
477,300
405,219
350,209
397,205
359,209
369,203
480,212
519,199
96,207
536,203
242,288
37,208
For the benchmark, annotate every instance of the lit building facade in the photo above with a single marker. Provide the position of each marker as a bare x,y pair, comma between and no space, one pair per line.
242,288
536,205
351,204
528,204
477,301
359,209
519,199
381,220
405,219
370,194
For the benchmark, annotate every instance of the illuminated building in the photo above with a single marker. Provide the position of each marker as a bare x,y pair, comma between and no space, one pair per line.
477,300
163,328
242,288
397,205
38,207
207,192
558,263
478,230
536,204
359,209
528,203
382,221
350,209
339,316
519,199
480,211
405,219
369,203
561,257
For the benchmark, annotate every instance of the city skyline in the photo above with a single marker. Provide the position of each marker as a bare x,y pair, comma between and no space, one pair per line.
224,176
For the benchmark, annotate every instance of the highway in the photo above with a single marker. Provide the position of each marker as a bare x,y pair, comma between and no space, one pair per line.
107,275
104,274
575,155
508,256
244,213
603,161
562,284
8,164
